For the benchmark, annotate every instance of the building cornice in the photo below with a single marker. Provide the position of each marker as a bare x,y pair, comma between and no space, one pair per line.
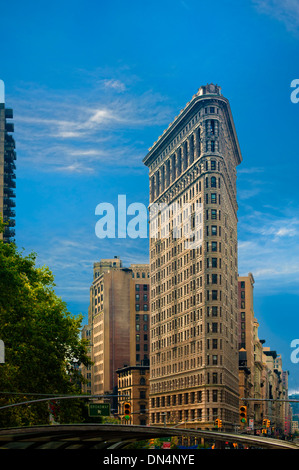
197,101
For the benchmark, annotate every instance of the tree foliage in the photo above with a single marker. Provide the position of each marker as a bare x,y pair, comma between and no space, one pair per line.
43,349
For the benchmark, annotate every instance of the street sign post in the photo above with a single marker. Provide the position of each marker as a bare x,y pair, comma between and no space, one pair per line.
2,352
99,409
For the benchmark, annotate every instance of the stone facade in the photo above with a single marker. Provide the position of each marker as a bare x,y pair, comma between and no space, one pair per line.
194,292
261,377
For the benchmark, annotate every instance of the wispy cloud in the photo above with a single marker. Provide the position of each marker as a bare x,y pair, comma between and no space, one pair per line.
71,260
250,170
114,84
66,132
268,247
286,11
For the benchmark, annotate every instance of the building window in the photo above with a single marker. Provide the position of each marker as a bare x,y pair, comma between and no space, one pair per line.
213,214
214,311
213,167
213,182
214,229
214,294
214,246
137,307
213,198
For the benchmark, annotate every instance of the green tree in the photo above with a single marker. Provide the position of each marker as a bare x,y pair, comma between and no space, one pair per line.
43,349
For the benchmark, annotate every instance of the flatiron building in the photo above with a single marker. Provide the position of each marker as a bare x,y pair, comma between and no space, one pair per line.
194,287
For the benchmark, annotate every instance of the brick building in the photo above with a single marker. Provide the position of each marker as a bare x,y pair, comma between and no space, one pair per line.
119,321
133,381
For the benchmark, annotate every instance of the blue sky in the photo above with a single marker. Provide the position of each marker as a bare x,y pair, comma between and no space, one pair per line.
93,84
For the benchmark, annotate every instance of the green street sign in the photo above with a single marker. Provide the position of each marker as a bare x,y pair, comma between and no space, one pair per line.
99,409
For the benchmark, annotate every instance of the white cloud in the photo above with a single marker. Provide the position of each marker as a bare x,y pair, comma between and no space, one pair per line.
55,131
286,11
250,170
76,168
114,84
268,248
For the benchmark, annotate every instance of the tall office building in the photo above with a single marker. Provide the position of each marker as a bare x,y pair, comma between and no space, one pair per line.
7,169
194,289
118,320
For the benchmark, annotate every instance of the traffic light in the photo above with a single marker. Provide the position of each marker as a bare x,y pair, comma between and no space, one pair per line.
268,423
243,414
264,431
265,422
218,423
127,410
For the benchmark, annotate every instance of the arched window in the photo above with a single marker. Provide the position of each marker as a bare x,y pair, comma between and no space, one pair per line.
213,182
